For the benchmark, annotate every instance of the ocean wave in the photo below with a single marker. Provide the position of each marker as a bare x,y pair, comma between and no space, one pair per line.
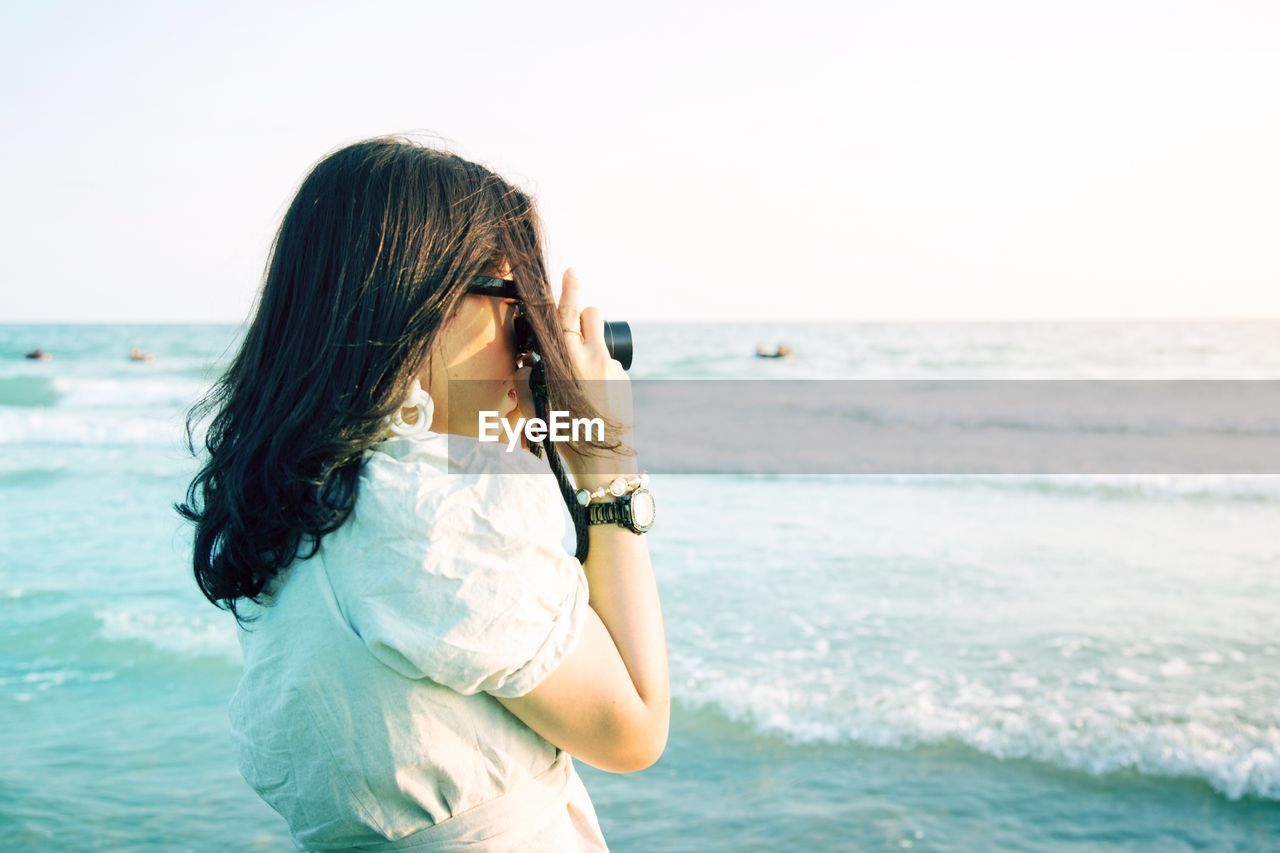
172,633
88,428
26,685
1247,488
853,407
1106,733
173,389
28,391
108,392
1079,407
1241,488
32,476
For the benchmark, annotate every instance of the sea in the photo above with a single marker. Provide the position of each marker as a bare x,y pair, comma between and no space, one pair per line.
858,662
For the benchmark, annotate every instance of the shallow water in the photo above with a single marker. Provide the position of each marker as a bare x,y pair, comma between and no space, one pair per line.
930,662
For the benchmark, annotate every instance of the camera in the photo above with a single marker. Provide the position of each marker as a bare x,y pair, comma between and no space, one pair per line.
617,333
617,339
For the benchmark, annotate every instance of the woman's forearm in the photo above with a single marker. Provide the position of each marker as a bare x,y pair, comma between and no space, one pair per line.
624,594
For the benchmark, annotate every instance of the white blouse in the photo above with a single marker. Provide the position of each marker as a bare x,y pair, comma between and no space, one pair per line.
366,713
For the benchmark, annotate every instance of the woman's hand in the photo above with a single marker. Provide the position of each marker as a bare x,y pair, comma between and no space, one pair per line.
603,381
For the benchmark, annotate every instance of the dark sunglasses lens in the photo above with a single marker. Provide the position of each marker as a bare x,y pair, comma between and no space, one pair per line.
486,285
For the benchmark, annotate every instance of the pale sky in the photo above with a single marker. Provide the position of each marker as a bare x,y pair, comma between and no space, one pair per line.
727,161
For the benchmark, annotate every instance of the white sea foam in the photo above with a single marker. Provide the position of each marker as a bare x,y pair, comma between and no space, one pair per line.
1096,731
88,428
185,636
49,678
130,393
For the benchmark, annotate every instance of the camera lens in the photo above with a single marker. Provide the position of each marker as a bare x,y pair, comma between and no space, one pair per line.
617,339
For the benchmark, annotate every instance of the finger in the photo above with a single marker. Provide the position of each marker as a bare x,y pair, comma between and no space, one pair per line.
567,308
592,326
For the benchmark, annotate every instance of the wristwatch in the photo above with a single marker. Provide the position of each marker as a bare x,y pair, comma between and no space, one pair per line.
635,511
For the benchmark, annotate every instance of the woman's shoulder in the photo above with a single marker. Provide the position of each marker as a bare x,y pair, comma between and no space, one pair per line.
452,454
424,482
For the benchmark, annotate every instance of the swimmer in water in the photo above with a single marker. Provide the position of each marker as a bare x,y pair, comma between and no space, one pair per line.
781,351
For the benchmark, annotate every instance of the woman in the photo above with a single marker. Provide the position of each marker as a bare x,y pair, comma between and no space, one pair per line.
422,655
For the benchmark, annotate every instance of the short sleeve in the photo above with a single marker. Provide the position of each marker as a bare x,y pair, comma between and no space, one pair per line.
461,579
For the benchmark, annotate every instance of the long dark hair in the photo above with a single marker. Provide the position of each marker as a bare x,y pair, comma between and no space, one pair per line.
375,251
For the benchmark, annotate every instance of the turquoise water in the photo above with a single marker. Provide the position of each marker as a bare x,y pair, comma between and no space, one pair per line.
925,662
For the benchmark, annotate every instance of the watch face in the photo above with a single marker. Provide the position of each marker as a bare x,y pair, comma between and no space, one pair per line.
643,509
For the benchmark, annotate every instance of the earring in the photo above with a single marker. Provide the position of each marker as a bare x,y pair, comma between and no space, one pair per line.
418,399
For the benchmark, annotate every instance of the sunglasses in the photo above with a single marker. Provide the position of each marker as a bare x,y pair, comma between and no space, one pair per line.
487,285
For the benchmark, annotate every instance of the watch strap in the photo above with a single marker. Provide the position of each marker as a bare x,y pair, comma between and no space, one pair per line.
609,512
